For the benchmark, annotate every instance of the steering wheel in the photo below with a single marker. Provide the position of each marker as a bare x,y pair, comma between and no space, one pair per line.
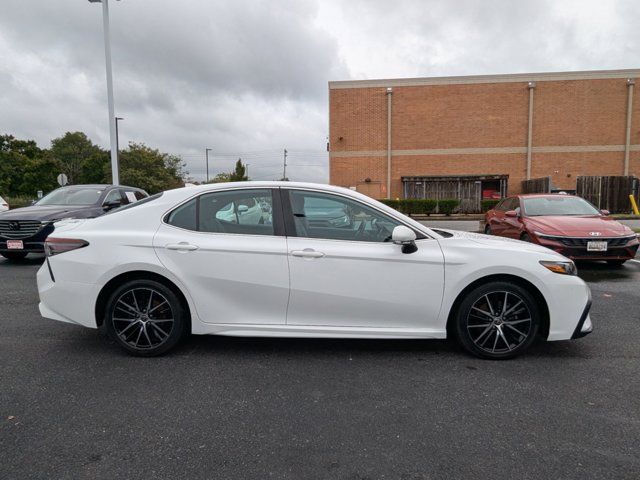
360,233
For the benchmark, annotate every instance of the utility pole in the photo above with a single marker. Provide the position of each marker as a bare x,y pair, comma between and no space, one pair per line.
284,167
112,118
206,154
118,143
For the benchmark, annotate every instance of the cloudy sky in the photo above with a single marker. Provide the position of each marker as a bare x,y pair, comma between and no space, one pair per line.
249,77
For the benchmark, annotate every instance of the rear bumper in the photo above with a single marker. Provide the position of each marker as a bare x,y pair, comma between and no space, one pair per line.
55,304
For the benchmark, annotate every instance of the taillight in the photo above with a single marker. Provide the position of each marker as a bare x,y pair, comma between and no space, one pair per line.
54,246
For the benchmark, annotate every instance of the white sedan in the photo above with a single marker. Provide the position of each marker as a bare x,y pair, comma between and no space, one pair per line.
4,206
170,265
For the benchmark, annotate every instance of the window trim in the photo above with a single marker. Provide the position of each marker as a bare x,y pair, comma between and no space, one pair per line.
276,206
290,223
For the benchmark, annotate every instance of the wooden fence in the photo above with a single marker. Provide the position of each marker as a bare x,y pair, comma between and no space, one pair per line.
537,185
608,193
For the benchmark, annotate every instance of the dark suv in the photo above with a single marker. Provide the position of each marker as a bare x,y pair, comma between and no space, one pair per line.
24,230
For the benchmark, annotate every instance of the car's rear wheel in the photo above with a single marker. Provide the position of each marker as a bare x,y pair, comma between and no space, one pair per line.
145,317
498,320
14,256
616,263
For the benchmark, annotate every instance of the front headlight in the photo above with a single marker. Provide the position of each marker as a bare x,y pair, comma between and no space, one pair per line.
562,267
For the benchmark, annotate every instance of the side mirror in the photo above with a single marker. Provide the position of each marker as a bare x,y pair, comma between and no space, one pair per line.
243,209
511,213
605,212
406,237
111,205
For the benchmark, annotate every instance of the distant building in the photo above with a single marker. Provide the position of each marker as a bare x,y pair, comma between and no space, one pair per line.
481,136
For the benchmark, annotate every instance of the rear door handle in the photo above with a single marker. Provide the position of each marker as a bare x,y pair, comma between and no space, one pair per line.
307,253
181,247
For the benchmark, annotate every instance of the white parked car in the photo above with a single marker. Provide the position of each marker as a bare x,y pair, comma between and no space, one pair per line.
4,206
171,265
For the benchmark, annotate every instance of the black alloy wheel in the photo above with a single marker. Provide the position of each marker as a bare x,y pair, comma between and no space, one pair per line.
498,320
145,317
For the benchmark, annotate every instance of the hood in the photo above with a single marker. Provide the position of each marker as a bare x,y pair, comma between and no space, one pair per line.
47,213
501,243
577,226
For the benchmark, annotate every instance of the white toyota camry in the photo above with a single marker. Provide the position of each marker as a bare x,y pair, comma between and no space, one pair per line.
318,261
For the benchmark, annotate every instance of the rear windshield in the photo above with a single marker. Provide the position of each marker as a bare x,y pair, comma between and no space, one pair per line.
135,204
72,196
558,205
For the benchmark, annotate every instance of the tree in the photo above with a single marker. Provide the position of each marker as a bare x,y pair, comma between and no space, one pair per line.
78,156
220,178
25,168
240,173
150,169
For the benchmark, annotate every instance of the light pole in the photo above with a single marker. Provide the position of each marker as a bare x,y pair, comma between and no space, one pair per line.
206,154
118,144
112,118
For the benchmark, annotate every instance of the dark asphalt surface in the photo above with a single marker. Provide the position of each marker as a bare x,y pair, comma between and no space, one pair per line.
74,406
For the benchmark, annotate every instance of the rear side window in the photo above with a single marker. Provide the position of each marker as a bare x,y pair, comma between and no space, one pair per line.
184,216
247,212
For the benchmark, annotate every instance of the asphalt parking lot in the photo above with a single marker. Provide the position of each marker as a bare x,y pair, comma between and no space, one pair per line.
74,406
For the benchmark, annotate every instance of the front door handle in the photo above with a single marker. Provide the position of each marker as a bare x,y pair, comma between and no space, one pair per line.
307,253
181,247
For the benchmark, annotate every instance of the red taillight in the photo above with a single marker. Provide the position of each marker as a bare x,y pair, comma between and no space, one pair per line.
54,246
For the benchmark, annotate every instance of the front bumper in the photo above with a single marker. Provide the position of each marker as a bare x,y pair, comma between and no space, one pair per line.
32,244
584,326
571,248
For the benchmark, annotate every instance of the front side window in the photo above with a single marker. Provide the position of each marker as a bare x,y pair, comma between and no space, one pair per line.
322,215
246,212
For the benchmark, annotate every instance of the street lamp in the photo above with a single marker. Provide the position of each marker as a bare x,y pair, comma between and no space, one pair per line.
206,154
112,118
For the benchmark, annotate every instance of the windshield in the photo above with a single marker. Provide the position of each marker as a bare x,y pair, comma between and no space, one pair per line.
72,196
558,205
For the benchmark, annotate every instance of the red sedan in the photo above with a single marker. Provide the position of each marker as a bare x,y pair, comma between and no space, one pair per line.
565,223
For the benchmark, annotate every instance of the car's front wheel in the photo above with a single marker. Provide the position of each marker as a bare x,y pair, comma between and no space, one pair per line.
498,320
145,317
14,256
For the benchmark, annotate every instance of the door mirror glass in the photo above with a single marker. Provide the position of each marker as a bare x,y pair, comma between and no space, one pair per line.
605,212
243,209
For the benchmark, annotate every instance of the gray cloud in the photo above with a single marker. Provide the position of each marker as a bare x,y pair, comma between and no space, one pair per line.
250,77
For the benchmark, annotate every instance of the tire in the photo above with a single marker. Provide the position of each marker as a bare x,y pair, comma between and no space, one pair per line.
616,263
14,256
526,238
498,336
145,317
487,230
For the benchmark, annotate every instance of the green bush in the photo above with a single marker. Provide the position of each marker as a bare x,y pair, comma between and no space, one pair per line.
488,205
448,206
17,202
413,206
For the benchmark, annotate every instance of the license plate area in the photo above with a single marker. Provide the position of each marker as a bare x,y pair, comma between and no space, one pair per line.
15,245
597,246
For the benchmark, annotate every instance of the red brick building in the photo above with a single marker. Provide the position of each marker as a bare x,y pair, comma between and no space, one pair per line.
489,131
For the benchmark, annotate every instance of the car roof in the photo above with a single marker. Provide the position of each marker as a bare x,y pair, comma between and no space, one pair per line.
266,184
542,195
100,186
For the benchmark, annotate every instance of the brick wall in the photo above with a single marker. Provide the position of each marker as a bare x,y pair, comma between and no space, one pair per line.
481,128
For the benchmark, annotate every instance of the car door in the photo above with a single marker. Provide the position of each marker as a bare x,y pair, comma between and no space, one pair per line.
497,222
511,226
346,272
235,270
